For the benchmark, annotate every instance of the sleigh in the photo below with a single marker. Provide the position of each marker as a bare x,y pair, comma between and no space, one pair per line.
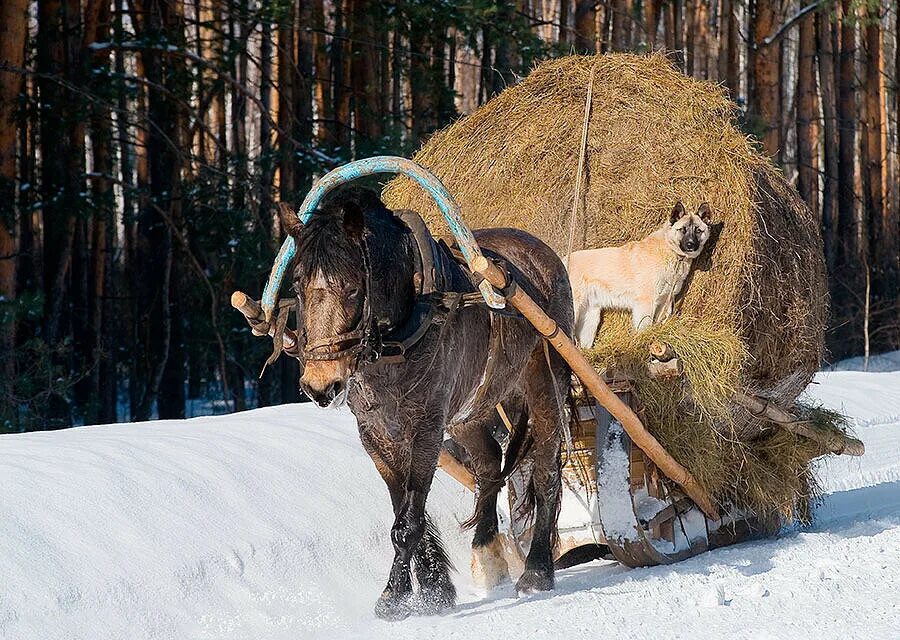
624,496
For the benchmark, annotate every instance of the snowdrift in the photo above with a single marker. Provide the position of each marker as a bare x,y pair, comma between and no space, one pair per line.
232,526
274,524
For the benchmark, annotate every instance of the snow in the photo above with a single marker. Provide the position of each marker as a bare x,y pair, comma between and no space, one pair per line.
274,524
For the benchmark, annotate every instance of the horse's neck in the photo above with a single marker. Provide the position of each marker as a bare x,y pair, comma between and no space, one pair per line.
393,269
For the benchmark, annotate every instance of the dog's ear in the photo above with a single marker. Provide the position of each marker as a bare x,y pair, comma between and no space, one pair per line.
705,212
354,221
289,220
677,213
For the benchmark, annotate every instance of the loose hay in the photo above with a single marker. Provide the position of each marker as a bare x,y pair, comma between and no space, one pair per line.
753,314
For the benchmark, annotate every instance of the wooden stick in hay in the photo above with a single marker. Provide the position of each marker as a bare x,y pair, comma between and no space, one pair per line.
664,362
831,441
592,380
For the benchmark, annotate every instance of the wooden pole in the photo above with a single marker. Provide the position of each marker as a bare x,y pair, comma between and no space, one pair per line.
594,383
456,470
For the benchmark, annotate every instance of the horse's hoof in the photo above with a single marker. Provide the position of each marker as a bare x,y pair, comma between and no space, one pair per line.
394,608
489,568
534,581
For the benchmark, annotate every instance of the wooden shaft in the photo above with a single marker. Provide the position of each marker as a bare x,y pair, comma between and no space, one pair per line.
832,442
456,470
594,383
253,312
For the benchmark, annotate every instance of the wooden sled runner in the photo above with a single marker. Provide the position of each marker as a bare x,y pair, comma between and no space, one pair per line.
644,518
642,506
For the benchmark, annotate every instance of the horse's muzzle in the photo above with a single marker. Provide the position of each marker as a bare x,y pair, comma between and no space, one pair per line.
325,383
328,397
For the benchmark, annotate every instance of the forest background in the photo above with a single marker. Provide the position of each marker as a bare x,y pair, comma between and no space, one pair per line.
144,144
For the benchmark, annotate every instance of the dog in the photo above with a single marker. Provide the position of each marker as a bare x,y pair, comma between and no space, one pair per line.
643,276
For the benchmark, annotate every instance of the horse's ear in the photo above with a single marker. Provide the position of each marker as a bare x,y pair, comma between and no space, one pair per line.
354,221
677,213
289,220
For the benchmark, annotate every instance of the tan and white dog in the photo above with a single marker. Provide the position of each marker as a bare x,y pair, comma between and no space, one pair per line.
643,276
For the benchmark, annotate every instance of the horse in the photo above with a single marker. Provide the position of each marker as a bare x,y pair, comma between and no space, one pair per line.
357,278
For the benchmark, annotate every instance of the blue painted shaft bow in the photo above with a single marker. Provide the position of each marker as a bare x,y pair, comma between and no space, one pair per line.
368,167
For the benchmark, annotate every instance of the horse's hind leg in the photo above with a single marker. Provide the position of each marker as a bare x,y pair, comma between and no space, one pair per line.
489,567
546,388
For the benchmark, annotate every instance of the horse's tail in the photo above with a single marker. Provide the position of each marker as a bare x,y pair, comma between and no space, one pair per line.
520,443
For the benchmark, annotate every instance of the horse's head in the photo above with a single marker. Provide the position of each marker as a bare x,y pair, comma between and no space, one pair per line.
339,292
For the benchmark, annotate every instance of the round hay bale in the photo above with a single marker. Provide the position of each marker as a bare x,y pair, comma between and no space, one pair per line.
754,312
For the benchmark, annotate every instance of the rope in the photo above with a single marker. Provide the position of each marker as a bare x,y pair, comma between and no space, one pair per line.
581,157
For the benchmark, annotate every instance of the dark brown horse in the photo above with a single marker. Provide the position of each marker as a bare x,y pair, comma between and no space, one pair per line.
356,275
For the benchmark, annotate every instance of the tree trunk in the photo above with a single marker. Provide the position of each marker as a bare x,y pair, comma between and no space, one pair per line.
323,100
154,246
824,38
701,40
303,93
506,52
846,231
652,10
675,31
690,44
486,83
289,94
764,81
287,81
882,230
729,68
807,115
396,80
421,85
585,26
97,29
364,76
13,32
340,68
62,148
266,165
621,22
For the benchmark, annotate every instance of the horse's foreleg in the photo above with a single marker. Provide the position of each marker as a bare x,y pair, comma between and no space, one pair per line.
409,528
396,593
546,392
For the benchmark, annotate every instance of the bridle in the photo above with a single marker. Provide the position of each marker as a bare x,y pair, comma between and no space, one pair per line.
364,339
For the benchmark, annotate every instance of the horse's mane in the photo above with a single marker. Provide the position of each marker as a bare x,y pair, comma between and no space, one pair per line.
323,243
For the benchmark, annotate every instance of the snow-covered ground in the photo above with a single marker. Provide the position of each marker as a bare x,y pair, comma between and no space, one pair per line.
274,524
